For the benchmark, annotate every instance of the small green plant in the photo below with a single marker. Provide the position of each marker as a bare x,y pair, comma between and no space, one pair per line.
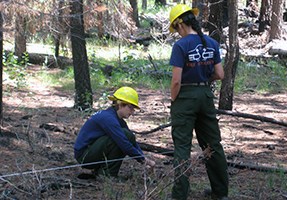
16,68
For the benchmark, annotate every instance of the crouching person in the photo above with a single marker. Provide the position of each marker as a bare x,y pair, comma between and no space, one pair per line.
105,137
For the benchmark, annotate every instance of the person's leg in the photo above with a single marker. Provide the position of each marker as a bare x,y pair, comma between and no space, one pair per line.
113,152
209,138
105,149
182,128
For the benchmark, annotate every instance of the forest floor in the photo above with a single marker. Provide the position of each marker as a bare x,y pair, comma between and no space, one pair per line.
40,126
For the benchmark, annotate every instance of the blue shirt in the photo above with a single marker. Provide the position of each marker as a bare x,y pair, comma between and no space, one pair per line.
106,122
196,60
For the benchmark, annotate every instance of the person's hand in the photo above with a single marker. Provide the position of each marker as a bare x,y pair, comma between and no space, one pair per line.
150,163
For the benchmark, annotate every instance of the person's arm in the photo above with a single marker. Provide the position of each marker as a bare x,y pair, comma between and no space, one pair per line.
218,72
175,82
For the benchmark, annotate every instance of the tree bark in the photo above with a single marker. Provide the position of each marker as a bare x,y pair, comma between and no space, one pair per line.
83,96
215,20
134,5
264,17
59,25
202,5
101,30
276,20
20,35
231,59
1,70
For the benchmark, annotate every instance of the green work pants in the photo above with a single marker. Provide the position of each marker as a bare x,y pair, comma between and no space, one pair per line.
194,109
105,149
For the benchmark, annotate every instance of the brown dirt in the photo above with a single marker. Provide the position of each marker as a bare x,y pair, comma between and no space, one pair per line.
27,145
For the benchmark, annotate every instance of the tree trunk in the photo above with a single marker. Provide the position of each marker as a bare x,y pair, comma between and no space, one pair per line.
276,20
83,96
215,20
134,5
58,34
1,70
20,35
231,59
264,17
101,31
204,12
144,4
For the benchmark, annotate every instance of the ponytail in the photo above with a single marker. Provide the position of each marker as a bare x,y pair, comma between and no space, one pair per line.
189,19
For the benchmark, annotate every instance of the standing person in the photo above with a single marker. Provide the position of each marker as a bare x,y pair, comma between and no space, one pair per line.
196,62
105,136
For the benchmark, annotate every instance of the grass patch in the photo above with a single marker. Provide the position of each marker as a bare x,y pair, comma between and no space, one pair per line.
253,76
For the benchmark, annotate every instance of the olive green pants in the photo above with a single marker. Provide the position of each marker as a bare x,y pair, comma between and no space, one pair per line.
103,150
194,109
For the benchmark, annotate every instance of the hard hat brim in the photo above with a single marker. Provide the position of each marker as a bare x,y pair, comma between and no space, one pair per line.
113,98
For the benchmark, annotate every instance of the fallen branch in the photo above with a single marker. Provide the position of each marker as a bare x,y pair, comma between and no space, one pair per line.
156,149
224,112
250,166
154,130
250,116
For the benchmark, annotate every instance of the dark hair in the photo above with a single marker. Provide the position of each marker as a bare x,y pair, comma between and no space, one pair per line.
189,19
116,104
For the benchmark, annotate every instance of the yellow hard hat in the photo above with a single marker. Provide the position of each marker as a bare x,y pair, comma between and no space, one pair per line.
178,10
127,95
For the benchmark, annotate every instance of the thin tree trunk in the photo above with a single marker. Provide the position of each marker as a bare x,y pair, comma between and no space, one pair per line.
276,20
1,70
20,36
83,96
134,5
215,19
264,18
101,31
231,60
58,34
144,4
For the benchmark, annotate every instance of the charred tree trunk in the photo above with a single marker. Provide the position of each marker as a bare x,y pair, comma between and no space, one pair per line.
83,96
231,60
203,14
215,20
58,34
1,70
264,17
134,5
20,35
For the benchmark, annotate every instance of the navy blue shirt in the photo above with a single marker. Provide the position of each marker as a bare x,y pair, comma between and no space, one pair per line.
196,60
106,122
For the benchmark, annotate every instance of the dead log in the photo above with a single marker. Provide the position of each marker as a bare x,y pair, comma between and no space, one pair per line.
224,112
156,149
250,116
50,60
257,167
250,166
